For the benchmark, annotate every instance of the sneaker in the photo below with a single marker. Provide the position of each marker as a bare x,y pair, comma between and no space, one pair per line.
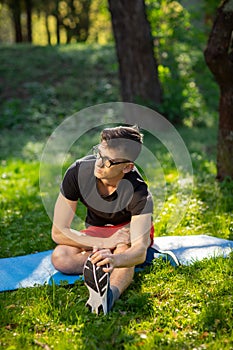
98,284
167,256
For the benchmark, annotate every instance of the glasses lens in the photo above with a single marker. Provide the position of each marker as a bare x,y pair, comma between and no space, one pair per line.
105,160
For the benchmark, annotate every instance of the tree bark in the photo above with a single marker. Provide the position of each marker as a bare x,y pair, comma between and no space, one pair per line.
47,28
137,65
58,22
28,4
219,58
16,14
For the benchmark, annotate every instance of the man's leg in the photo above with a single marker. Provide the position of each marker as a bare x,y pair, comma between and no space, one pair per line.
69,260
103,292
120,278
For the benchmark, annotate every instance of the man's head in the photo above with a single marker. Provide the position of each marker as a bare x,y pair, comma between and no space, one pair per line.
126,140
116,153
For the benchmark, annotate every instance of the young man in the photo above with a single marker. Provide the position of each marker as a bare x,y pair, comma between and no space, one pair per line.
119,217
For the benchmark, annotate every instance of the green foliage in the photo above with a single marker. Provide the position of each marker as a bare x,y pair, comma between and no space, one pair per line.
100,23
190,94
45,85
209,8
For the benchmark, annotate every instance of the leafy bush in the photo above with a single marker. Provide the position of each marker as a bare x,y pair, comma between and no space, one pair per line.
190,97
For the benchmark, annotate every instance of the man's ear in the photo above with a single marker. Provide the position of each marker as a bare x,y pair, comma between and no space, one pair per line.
127,168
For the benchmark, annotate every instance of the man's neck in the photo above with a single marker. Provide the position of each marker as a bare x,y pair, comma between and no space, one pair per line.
108,186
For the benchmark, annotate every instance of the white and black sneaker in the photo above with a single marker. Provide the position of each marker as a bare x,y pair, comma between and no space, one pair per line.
98,284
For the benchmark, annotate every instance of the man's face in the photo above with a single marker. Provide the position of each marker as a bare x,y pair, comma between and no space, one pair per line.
115,170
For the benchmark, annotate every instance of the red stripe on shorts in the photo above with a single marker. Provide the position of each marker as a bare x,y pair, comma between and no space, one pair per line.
103,231
108,231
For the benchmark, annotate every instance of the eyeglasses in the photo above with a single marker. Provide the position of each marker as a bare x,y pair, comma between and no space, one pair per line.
105,160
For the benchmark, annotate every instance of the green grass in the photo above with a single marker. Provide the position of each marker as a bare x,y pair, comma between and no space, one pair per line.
165,308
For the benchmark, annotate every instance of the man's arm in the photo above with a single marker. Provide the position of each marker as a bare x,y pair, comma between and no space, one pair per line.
140,227
62,233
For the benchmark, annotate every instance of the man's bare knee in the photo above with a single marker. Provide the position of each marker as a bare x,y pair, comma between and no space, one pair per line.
69,260
58,256
61,256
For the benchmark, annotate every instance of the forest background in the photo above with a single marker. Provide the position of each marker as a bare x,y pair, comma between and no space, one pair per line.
179,32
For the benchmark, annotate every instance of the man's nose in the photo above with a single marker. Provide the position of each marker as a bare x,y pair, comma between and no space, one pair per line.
99,162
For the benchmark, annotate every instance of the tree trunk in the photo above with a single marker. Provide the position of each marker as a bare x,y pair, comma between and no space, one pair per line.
137,65
219,58
57,16
47,28
29,20
16,14
58,30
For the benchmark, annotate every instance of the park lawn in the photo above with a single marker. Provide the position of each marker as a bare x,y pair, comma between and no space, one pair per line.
189,307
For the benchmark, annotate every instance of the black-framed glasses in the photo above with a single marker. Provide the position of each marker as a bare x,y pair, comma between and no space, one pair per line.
105,160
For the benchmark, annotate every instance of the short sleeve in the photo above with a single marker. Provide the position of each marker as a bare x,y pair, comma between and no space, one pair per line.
69,187
142,203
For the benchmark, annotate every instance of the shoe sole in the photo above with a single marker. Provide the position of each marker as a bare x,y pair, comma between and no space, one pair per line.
97,282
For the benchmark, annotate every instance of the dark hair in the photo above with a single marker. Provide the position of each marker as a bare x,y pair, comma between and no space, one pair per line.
127,139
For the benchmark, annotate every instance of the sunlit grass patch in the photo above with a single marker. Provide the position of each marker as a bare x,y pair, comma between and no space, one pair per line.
25,227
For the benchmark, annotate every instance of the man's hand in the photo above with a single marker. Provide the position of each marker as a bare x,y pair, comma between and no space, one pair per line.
121,236
103,257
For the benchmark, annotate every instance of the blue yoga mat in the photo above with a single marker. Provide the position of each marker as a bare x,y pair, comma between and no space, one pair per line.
37,269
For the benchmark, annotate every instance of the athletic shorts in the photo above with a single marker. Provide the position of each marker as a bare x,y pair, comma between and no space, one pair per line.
108,231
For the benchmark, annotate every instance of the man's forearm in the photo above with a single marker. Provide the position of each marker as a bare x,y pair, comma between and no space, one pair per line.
62,238
133,256
83,239
80,239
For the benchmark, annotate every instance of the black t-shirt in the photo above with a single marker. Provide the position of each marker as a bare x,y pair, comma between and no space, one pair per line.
131,197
